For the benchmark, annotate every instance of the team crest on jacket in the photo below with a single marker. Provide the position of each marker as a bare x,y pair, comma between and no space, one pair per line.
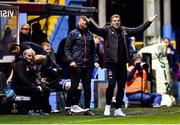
27,68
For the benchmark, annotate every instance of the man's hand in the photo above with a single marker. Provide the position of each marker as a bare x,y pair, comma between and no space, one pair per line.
152,18
40,88
40,58
86,19
73,64
96,65
44,81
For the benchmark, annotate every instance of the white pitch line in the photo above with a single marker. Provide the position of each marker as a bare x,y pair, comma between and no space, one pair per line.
107,118
91,120
104,118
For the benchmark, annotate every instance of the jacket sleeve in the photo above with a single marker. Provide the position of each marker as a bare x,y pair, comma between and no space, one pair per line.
99,31
68,48
37,48
96,59
131,75
138,29
95,54
19,72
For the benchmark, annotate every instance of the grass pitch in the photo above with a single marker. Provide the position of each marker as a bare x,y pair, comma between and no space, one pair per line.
161,115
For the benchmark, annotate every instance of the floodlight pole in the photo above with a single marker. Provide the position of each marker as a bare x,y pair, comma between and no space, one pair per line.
153,34
167,27
102,13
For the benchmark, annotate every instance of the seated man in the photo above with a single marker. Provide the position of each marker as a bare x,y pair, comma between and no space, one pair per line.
49,70
17,50
52,73
25,82
137,85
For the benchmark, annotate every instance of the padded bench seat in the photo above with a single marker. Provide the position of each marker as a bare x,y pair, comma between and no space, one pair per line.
21,104
22,98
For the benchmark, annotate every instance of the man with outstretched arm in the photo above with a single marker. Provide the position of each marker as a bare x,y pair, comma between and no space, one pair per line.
116,56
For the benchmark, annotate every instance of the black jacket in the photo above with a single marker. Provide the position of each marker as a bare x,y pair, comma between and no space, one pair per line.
36,47
24,74
23,37
80,48
112,42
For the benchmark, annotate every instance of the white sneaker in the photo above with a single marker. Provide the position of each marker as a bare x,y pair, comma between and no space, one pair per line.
118,112
156,105
79,108
74,109
107,110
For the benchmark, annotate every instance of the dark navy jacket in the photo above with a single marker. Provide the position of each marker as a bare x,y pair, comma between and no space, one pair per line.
80,48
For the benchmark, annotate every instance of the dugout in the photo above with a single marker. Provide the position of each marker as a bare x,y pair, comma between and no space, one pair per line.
9,24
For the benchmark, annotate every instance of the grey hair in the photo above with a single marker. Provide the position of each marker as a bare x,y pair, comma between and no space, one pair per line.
30,50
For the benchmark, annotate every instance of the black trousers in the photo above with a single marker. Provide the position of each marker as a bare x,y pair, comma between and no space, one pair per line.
55,85
39,100
77,74
58,87
117,73
2,81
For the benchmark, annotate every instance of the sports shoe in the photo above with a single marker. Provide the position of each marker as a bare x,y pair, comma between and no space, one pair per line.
74,109
88,112
118,112
33,113
43,113
79,108
156,105
107,110
67,111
